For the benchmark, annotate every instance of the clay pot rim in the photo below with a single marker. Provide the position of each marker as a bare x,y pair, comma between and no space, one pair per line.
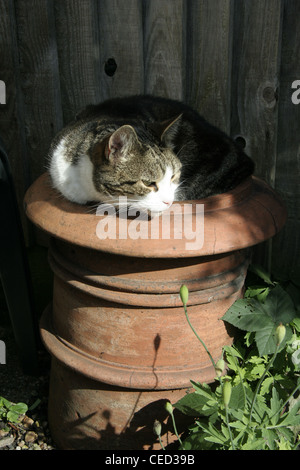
245,216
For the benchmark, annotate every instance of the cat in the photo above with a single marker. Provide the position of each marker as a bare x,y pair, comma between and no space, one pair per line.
150,149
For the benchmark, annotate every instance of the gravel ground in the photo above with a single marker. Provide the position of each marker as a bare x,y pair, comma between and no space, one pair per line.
31,432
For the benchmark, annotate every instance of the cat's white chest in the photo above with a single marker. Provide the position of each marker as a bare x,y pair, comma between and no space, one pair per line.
74,181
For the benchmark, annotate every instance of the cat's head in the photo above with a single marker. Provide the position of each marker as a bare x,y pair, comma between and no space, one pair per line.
147,173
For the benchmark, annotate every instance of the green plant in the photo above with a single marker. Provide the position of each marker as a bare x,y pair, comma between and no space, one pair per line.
11,412
264,306
254,405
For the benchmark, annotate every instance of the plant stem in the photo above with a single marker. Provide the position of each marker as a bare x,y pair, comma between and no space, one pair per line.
229,429
175,429
194,331
260,382
161,443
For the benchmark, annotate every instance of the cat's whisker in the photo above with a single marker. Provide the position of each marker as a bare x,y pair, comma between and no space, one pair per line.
182,147
181,183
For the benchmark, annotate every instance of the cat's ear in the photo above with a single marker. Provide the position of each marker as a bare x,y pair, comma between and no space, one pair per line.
120,142
166,130
170,130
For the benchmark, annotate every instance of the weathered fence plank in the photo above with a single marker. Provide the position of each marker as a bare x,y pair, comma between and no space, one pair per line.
164,39
39,79
255,80
208,64
286,246
256,60
12,130
121,46
78,53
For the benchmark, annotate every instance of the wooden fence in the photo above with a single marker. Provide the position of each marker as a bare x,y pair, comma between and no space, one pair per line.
233,60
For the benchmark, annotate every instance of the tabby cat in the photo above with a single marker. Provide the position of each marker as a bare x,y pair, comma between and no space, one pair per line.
152,150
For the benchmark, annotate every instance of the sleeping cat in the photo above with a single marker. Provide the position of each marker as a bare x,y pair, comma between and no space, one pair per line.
152,150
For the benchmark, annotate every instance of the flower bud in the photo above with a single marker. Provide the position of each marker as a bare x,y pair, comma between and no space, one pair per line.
280,334
169,407
226,392
157,427
184,294
220,366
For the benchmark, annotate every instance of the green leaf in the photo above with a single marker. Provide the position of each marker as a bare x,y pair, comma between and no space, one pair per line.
247,314
287,433
19,408
12,416
196,441
35,404
260,408
225,432
261,273
254,445
257,291
280,306
275,403
232,351
295,357
7,404
238,425
290,421
214,435
265,340
190,405
13,410
262,317
296,324
257,370
200,402
266,385
202,388
237,399
270,437
292,417
284,444
238,415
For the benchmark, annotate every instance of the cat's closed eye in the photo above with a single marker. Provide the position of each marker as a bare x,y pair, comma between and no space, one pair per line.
175,177
150,184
